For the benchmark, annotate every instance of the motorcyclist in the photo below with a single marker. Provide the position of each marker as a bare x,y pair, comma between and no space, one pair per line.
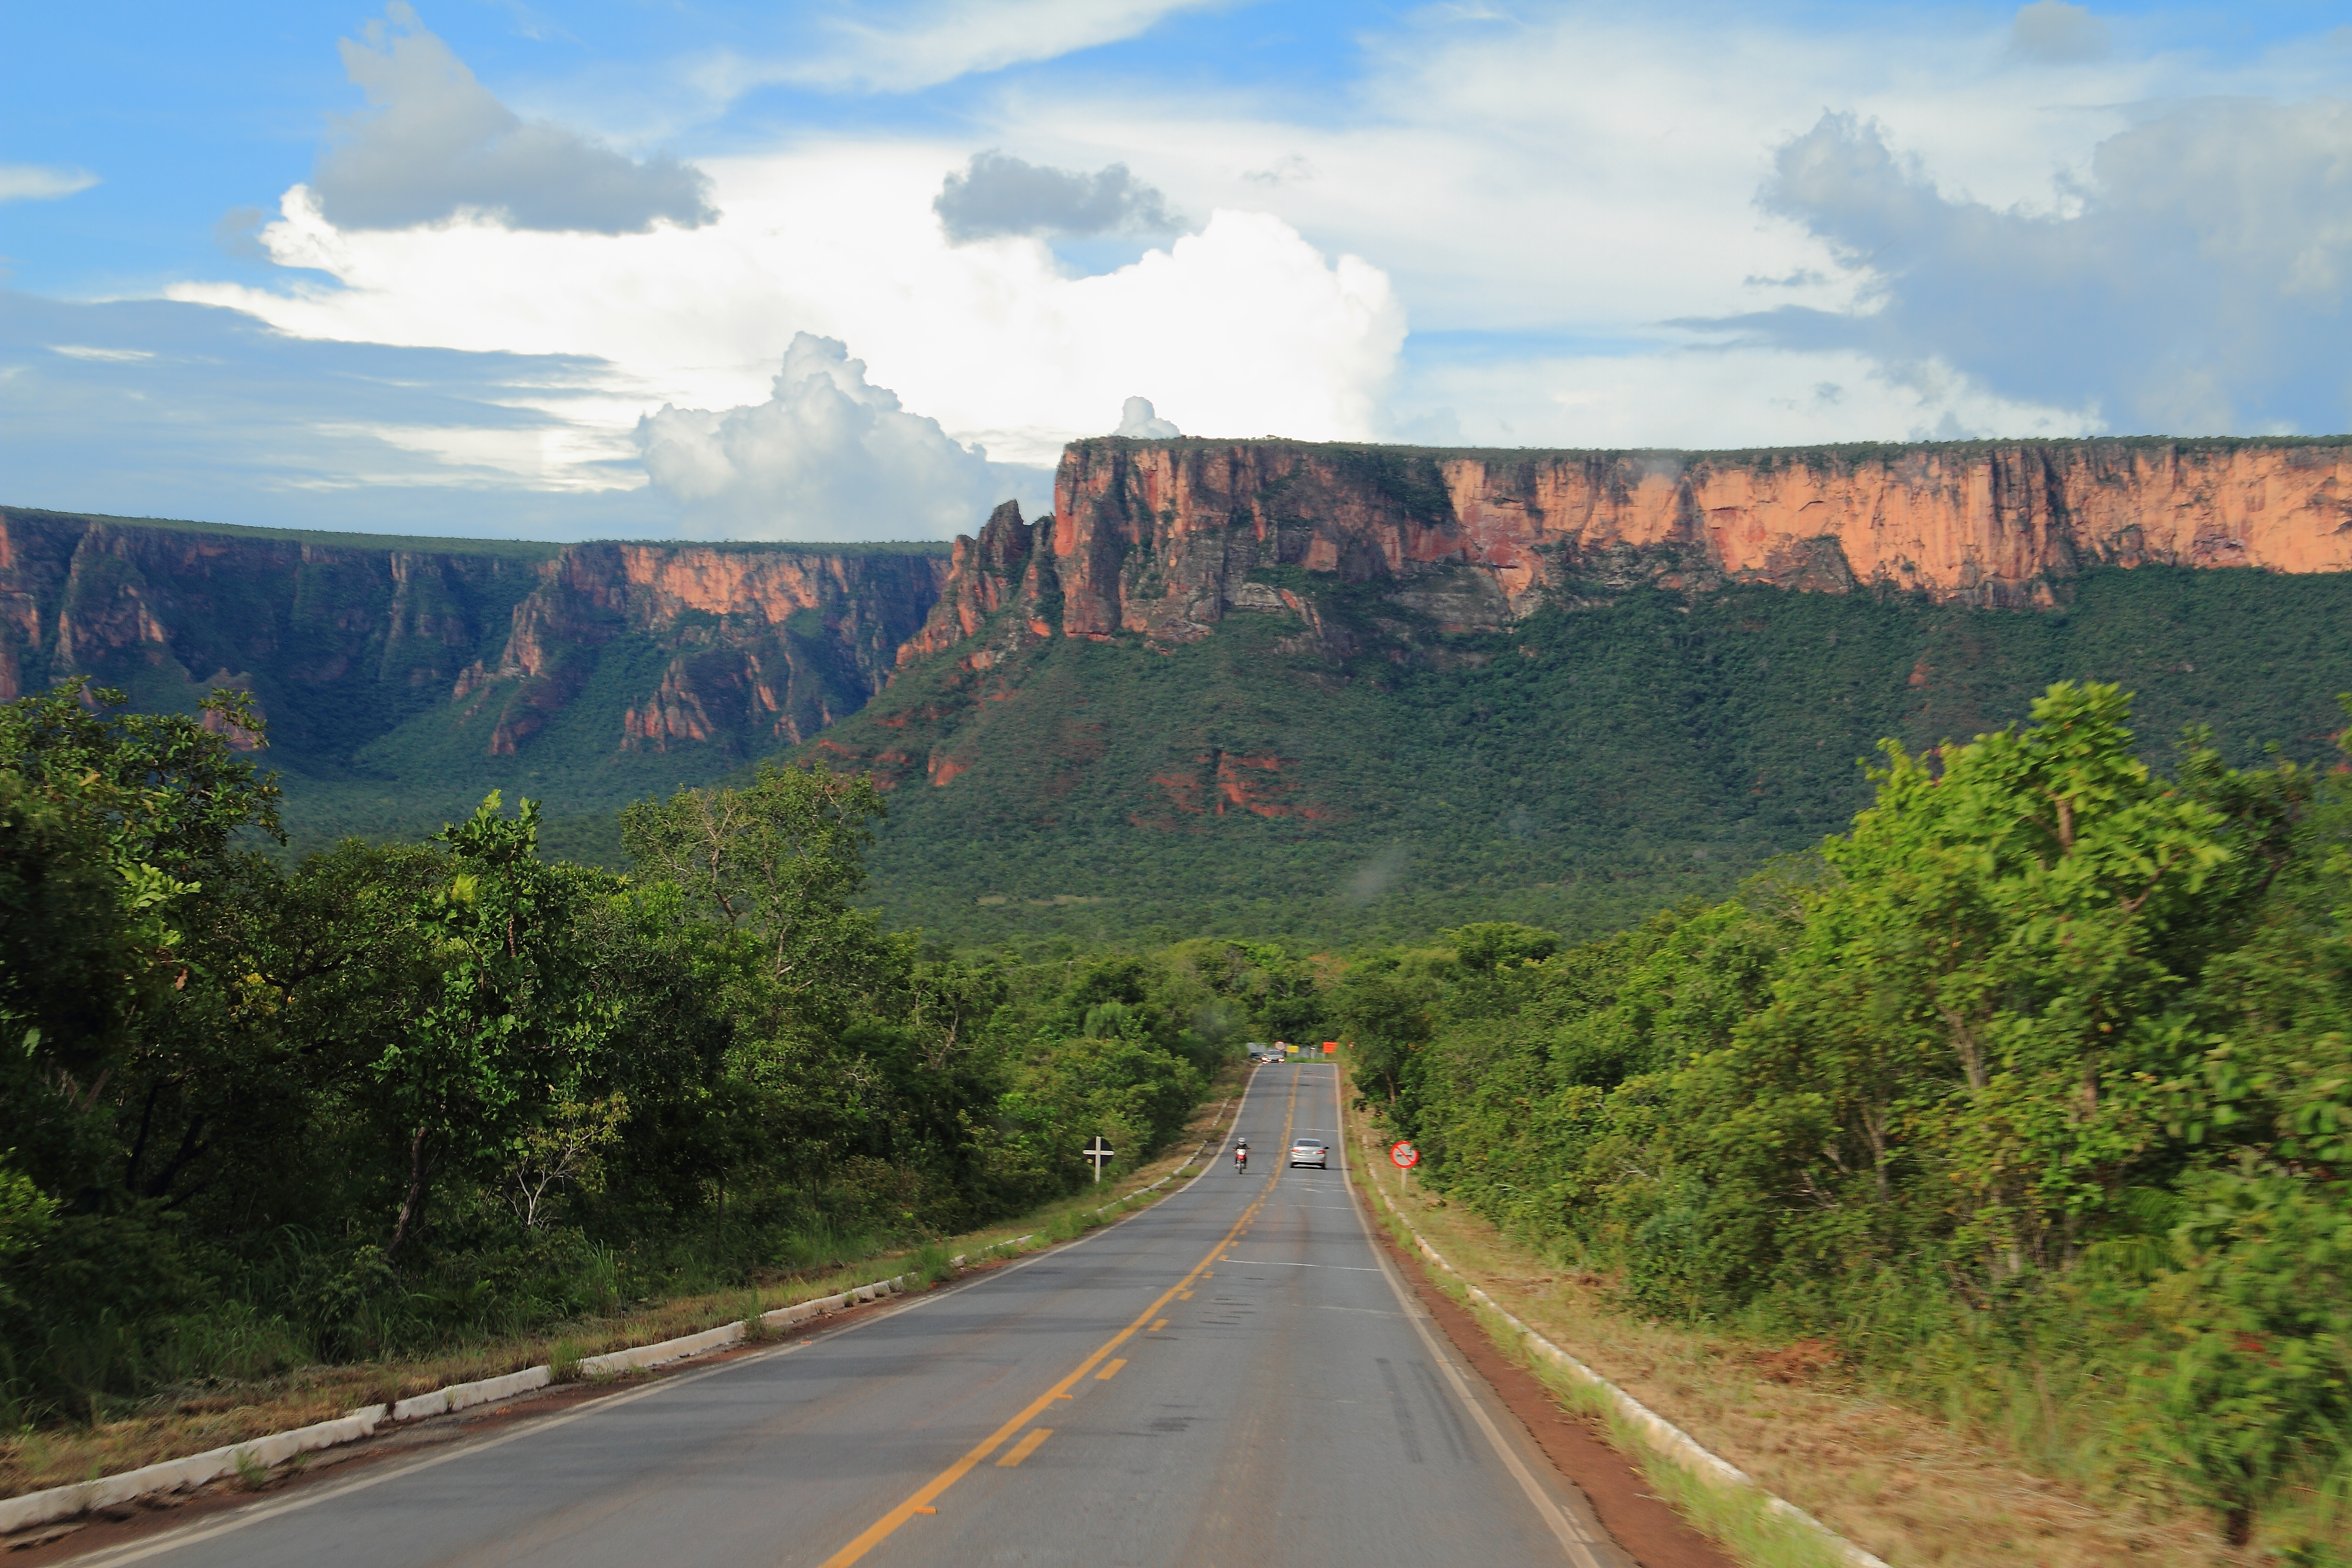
1241,1155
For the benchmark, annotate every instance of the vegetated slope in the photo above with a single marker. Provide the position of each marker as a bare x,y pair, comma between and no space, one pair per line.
1351,771
1353,691
1325,640
2033,1099
405,678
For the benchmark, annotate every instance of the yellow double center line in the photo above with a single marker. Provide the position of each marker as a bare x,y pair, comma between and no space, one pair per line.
922,1502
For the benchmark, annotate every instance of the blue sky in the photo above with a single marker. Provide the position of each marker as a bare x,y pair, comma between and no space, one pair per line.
568,270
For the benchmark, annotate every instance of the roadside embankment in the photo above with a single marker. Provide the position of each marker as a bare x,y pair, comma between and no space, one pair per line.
1895,1484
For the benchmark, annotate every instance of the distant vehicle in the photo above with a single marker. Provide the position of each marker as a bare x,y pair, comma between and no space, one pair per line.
1310,1152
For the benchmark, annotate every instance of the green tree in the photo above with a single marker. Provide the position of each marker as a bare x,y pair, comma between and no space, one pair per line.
780,860
508,1022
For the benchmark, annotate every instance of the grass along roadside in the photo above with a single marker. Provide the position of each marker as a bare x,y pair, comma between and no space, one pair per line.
187,1421
1910,1489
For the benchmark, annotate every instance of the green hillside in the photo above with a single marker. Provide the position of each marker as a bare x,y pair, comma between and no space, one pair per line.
1591,765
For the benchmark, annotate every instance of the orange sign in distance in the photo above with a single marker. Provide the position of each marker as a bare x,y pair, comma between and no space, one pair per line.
1404,1155
1329,1047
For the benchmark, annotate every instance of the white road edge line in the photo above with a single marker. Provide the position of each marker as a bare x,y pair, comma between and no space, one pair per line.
1584,1543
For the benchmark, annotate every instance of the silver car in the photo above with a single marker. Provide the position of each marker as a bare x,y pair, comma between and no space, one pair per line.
1310,1152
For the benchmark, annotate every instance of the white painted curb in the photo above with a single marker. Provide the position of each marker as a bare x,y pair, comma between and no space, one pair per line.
64,1502
268,1453
1670,1441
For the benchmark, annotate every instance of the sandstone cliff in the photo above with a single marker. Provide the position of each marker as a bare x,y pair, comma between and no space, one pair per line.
344,638
1163,537
764,645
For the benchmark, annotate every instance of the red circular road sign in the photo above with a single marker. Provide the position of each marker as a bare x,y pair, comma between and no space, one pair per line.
1405,1155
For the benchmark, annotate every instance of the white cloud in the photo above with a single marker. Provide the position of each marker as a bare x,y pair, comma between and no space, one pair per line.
41,183
906,47
1528,226
2198,286
1139,421
438,144
1711,398
86,351
1241,329
828,455
1546,239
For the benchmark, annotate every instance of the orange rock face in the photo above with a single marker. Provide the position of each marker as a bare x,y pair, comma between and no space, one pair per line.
758,644
1161,538
983,574
1222,780
768,645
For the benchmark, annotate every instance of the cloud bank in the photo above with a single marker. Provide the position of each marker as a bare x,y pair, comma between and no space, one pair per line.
2197,285
1241,329
828,455
438,145
152,408
999,195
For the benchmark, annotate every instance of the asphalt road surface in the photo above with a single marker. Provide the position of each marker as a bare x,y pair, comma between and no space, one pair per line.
1234,1376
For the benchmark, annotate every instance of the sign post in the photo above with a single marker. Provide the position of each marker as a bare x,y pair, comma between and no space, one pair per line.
1098,1151
1404,1156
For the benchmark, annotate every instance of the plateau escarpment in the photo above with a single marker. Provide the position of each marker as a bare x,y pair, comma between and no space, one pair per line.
1164,538
436,667
1270,676
1276,658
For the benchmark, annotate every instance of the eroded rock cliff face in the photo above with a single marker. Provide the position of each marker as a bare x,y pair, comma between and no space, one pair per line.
1165,537
345,638
764,645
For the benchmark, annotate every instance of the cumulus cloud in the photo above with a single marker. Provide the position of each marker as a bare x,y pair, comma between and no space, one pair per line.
1138,422
2059,32
828,455
999,195
2195,283
1241,329
438,145
37,183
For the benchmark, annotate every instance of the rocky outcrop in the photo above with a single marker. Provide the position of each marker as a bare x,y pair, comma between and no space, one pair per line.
766,645
342,638
1166,538
985,574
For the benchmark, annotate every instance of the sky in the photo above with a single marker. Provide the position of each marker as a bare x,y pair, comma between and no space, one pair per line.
656,269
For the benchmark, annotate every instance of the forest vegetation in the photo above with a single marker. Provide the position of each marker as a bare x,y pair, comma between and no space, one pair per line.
2033,1091
1616,752
255,1117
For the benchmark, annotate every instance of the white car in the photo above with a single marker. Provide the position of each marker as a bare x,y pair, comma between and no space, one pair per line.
1310,1152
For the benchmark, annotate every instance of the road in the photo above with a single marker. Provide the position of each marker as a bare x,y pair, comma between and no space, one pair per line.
1236,1375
